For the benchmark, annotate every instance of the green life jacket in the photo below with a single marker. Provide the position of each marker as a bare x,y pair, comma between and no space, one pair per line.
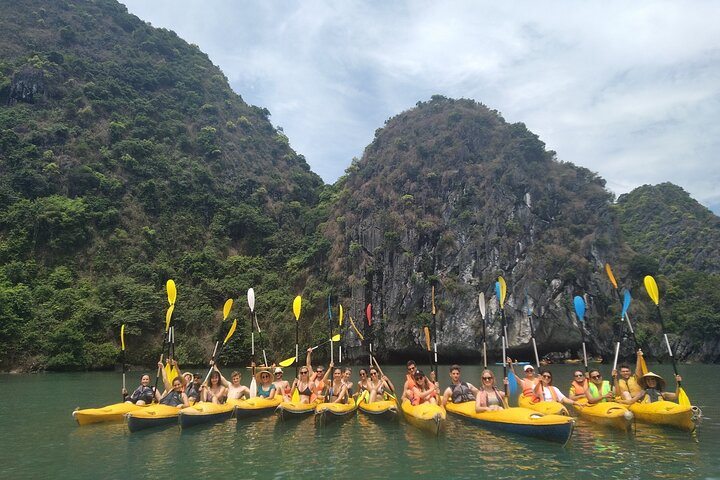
605,389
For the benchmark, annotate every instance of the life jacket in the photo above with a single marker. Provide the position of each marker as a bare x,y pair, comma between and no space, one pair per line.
630,385
319,388
142,393
528,387
652,395
553,394
461,393
578,388
172,399
417,400
605,387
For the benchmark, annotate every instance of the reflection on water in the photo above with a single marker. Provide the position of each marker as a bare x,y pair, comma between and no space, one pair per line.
40,440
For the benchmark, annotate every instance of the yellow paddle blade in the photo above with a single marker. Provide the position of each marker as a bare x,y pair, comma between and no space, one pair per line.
433,300
231,331
336,337
168,316
297,304
171,291
503,290
287,362
427,337
122,337
356,330
683,398
226,308
341,315
295,396
171,372
643,365
652,289
610,275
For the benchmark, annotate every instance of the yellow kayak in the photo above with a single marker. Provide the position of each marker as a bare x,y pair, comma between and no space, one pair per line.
385,409
295,410
548,408
609,414
114,413
518,420
426,416
664,413
255,406
205,412
327,412
154,415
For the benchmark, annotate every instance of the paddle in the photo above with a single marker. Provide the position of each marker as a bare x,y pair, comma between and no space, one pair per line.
290,360
426,331
389,384
171,296
532,329
623,314
332,349
360,335
501,299
251,304
340,319
652,289
226,311
297,307
227,337
434,333
481,304
580,312
122,349
368,315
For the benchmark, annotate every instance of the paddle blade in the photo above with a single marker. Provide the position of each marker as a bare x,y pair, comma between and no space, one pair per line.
626,304
481,304
503,291
122,337
296,396
497,293
368,314
433,300
171,291
253,387
512,384
287,362
297,304
652,289
171,372
168,316
340,315
580,308
226,308
251,299
231,331
610,275
335,338
643,366
427,337
683,398
329,310
352,323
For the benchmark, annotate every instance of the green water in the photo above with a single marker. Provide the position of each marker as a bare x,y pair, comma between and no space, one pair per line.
40,440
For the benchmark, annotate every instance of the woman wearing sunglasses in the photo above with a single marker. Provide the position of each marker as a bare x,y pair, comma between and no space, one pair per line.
488,397
304,385
545,391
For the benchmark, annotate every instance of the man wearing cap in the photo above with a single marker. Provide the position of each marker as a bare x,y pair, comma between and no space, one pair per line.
282,385
528,383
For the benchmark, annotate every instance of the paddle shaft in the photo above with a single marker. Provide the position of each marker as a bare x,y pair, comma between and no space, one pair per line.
434,336
504,353
667,343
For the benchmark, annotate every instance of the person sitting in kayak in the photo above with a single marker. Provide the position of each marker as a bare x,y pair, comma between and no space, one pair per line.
410,376
458,391
192,394
545,391
282,385
143,395
599,390
347,373
173,396
235,391
527,384
377,385
627,385
214,391
578,386
337,391
265,387
653,386
304,385
422,391
489,398
317,377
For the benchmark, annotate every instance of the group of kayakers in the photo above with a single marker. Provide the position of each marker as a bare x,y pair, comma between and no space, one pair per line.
335,385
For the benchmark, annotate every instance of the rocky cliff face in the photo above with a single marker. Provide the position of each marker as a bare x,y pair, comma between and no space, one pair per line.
449,194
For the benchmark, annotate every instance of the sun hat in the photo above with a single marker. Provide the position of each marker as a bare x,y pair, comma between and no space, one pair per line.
528,367
278,370
642,380
258,375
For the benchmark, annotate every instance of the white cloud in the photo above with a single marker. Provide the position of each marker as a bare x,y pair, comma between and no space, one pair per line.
630,90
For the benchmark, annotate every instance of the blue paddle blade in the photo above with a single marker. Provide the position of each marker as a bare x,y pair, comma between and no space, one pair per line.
626,304
329,309
497,290
512,385
580,308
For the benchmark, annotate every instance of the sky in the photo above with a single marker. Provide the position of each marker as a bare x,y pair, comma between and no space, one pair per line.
630,90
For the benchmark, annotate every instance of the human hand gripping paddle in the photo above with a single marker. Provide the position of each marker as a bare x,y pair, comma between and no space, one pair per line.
290,360
625,316
172,296
481,305
227,337
500,291
226,311
580,312
652,290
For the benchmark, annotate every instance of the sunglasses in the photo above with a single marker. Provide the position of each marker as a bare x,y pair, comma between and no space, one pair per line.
373,373
319,371
363,374
578,374
278,373
303,373
595,377
547,376
487,378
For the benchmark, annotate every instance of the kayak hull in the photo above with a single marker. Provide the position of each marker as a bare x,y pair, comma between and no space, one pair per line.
255,406
295,410
205,412
331,412
548,408
664,413
151,417
609,414
426,416
519,421
384,409
114,413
